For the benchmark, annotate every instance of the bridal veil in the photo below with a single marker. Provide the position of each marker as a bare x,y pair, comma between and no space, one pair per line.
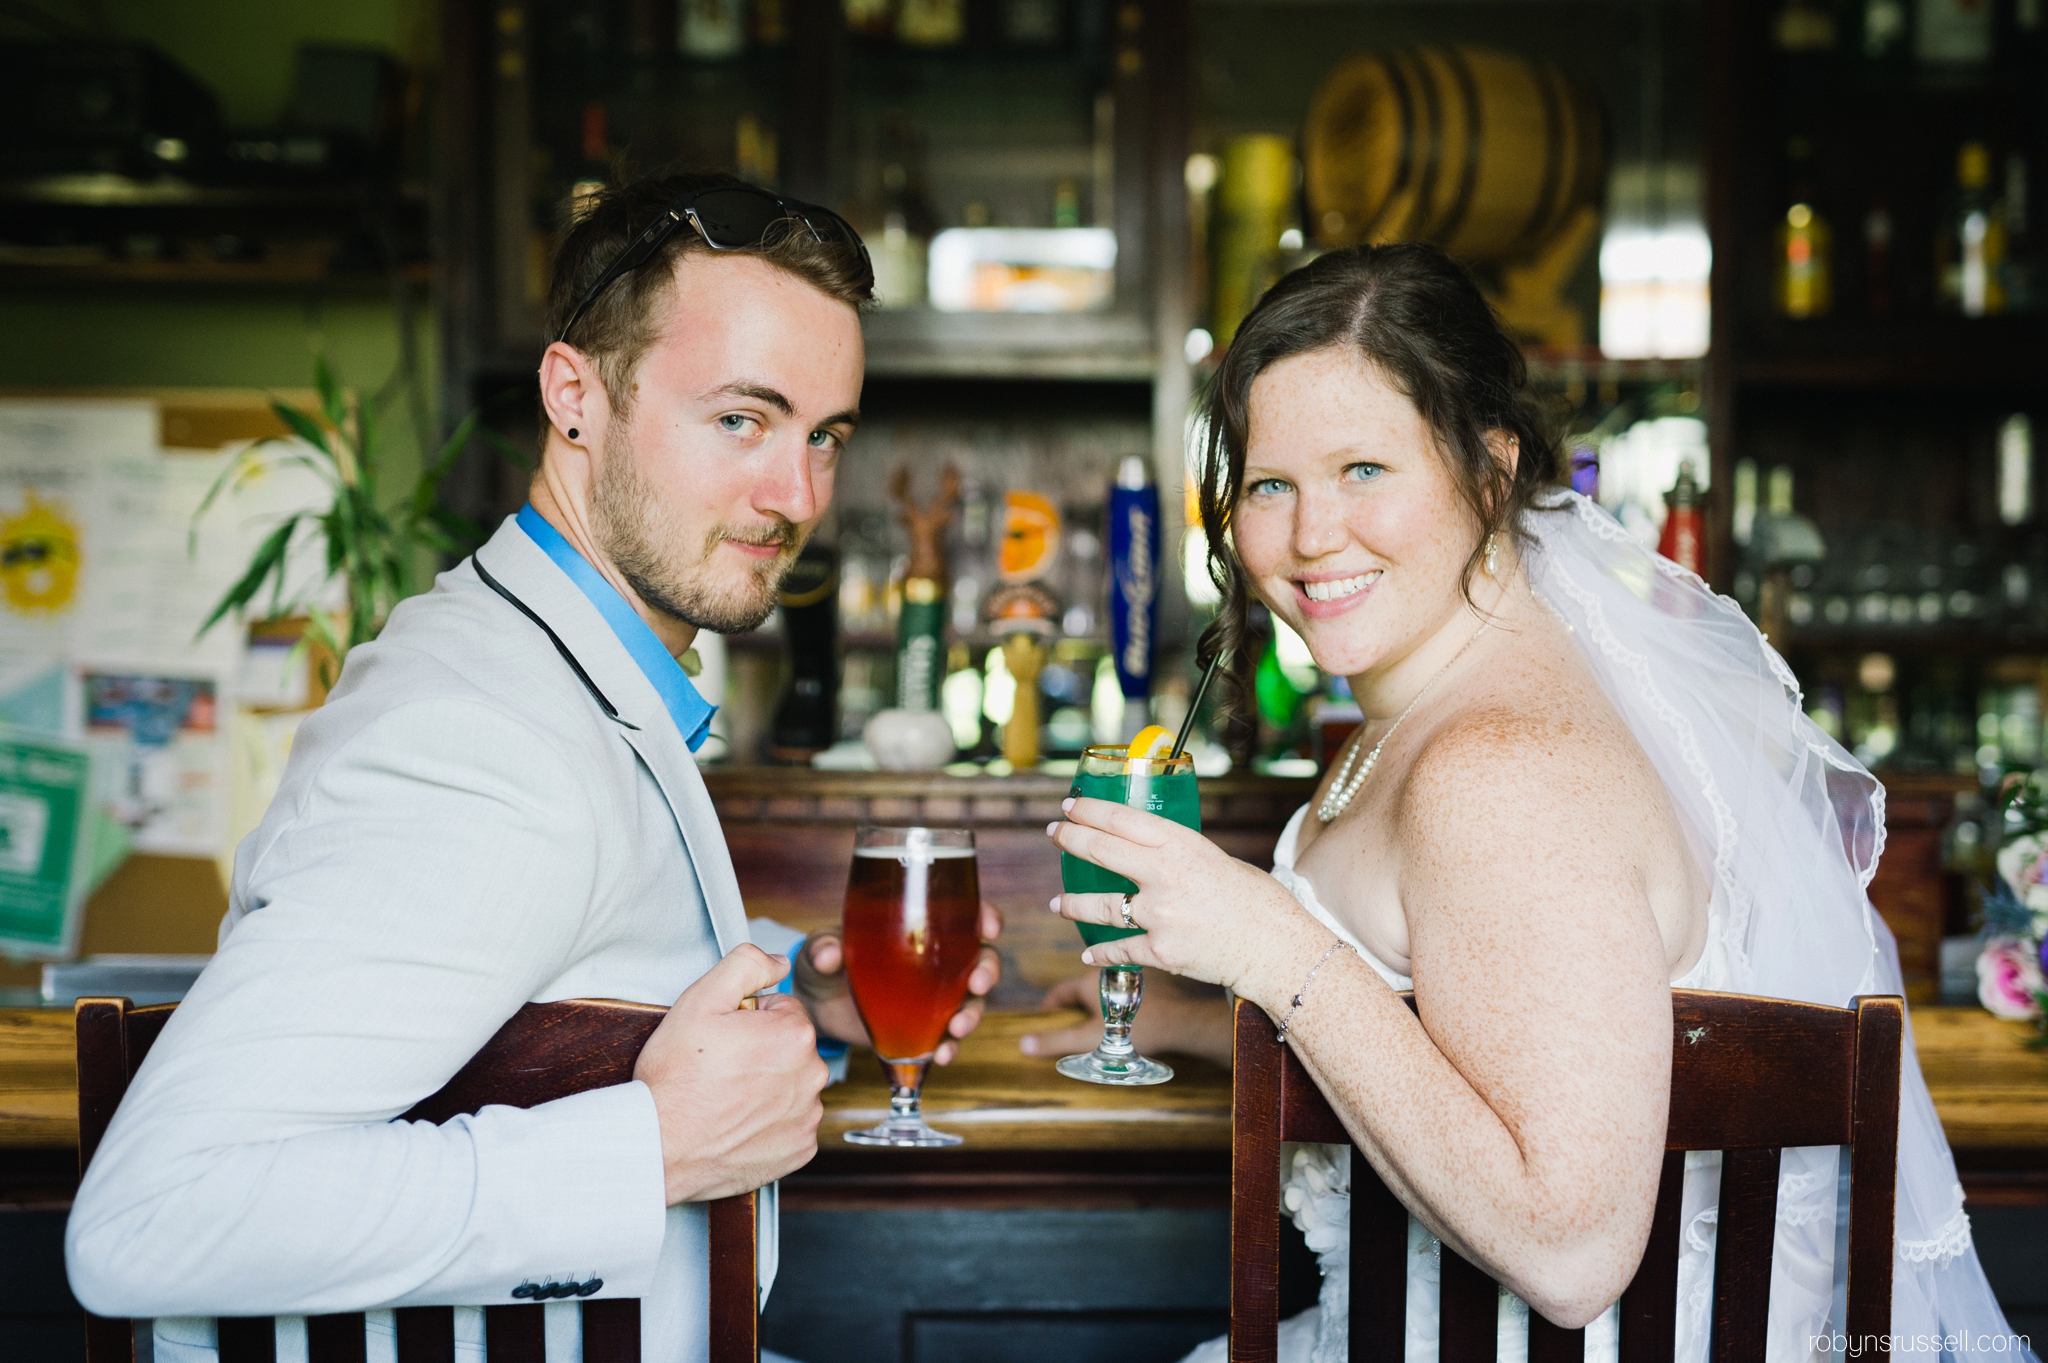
1789,827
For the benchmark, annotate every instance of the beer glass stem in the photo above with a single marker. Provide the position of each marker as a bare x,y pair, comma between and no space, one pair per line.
1123,989
904,1126
906,1083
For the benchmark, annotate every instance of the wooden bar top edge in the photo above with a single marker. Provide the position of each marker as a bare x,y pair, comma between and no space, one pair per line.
1989,1088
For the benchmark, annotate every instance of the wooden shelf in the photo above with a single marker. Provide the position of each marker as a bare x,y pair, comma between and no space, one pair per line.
1561,366
1930,354
122,191
1953,643
289,272
922,343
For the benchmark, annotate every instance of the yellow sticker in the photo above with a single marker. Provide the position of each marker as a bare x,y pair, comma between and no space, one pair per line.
1031,536
38,558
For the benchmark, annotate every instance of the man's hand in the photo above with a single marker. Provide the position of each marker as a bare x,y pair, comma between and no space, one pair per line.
821,984
736,1088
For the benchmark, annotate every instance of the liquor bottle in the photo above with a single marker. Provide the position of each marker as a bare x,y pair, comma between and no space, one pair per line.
1032,23
2019,43
1742,520
1803,26
2019,272
1066,205
753,150
805,722
1278,700
1684,540
595,170
711,29
1952,38
2016,469
1971,244
921,625
771,22
1256,204
901,254
1805,248
869,18
931,23
1877,259
1884,42
1804,66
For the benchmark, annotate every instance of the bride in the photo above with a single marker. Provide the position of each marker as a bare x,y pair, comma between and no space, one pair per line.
1582,781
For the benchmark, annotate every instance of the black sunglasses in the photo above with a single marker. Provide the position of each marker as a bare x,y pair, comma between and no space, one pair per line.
729,218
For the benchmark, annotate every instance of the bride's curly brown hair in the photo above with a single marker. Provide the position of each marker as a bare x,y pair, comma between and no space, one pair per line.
1415,314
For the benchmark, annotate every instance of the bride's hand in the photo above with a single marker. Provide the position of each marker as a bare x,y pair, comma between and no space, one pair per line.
1206,915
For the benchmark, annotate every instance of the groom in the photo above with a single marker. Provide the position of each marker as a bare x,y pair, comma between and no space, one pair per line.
498,805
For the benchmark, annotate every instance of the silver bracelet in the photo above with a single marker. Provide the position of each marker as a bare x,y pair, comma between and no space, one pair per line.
1280,1037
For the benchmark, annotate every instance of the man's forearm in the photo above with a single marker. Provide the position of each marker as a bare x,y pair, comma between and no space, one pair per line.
177,1218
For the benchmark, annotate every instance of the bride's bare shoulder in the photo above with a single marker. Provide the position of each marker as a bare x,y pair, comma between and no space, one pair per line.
1537,756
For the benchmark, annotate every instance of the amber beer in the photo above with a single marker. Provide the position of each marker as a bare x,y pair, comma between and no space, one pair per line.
912,937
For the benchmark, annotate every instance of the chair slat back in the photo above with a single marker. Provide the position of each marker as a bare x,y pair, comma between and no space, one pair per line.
1649,1308
1749,1076
546,1051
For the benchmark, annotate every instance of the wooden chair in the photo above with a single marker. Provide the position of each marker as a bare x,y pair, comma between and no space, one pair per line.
1749,1076
547,1051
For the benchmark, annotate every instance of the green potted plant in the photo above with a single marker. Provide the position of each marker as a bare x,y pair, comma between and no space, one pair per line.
374,547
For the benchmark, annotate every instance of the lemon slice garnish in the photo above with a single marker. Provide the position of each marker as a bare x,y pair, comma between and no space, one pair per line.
1153,741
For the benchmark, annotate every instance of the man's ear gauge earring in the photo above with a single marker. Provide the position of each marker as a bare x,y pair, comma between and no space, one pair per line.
572,436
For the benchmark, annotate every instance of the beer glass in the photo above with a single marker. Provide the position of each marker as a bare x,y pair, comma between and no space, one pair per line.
1161,785
912,936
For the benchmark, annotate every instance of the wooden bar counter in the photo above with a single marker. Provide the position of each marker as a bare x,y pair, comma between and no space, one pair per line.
1991,1092
791,835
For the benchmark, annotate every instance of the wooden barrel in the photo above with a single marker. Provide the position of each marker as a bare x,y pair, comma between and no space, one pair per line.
1484,153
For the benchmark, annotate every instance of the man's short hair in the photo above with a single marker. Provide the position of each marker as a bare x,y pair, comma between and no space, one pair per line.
624,321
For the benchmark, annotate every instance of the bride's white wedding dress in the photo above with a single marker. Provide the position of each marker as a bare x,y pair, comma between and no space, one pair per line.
1790,827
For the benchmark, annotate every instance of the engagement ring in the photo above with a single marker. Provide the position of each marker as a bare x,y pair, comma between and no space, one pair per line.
1127,914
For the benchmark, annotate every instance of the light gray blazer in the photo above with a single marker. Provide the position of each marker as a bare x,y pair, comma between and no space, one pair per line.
461,829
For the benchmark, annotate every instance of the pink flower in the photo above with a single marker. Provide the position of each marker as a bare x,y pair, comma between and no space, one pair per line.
2009,978
2023,861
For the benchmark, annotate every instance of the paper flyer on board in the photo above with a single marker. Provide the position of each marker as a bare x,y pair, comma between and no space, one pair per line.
46,842
103,585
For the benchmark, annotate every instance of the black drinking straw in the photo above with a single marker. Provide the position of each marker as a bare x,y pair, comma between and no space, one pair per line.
1187,725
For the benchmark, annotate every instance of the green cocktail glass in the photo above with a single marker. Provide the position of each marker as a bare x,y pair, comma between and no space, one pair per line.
1160,785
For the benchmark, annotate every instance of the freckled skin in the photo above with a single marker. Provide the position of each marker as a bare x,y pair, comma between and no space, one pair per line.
1513,851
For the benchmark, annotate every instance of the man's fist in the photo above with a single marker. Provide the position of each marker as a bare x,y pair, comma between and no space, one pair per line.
735,1086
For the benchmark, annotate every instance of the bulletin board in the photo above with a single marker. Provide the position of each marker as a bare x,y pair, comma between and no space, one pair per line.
103,584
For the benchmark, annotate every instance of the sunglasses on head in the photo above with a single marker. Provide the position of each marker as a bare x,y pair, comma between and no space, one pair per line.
728,218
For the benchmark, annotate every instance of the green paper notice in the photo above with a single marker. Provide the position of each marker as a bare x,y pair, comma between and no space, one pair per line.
45,858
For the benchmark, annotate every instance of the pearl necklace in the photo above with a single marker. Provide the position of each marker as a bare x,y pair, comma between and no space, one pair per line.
1346,785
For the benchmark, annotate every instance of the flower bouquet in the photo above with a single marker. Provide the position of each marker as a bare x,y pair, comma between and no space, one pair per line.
2012,968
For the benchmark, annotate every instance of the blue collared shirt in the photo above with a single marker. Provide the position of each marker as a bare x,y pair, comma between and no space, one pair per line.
691,712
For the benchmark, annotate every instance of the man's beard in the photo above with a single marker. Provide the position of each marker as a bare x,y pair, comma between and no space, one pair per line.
638,535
